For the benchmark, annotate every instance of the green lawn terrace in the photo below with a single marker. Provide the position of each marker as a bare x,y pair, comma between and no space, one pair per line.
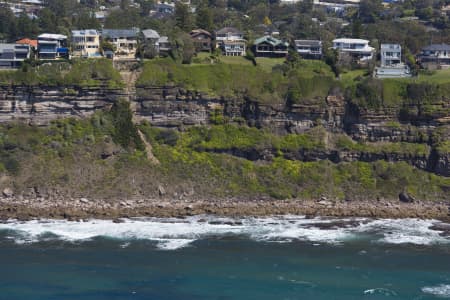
274,81
76,72
269,81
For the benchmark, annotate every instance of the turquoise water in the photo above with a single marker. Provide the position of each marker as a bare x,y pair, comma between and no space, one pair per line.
281,258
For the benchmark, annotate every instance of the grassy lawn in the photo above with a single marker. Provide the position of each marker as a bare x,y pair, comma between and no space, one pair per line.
349,77
267,63
439,76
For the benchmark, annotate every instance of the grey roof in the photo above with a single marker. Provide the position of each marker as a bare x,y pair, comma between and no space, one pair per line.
84,32
150,34
437,47
119,33
13,47
226,30
308,42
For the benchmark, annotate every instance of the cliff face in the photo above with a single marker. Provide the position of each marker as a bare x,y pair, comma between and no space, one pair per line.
41,104
175,107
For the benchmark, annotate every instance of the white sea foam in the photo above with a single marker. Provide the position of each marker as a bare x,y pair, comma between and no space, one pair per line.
441,291
170,234
380,291
405,231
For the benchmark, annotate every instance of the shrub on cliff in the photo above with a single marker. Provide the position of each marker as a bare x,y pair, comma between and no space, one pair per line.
125,132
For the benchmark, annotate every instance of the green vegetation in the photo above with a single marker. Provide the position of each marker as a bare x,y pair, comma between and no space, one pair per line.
88,157
82,72
190,154
309,80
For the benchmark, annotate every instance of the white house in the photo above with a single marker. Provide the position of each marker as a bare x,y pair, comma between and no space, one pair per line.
357,48
391,62
231,41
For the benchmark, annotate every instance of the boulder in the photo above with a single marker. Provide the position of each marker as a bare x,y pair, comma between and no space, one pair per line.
8,192
84,200
405,198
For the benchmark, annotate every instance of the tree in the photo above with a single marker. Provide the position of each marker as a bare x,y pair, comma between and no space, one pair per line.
7,23
48,22
204,18
370,10
183,17
183,48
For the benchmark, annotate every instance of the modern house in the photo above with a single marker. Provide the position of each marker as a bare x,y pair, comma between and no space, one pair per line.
124,41
202,40
391,62
268,46
309,48
231,41
13,55
85,43
358,49
435,56
52,46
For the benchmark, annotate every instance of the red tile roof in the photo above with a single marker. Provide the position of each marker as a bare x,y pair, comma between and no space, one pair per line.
32,43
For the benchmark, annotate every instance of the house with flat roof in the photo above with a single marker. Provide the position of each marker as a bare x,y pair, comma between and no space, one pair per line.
52,46
86,43
391,62
124,41
435,56
268,46
311,49
358,49
13,55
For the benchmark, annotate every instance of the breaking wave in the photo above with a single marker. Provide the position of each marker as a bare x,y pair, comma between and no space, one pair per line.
441,291
171,233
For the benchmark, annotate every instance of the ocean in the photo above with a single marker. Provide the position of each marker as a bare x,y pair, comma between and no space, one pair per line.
206,257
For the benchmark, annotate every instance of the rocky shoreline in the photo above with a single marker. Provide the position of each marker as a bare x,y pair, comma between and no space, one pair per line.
83,208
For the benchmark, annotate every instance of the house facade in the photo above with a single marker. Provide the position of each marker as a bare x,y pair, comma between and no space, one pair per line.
391,62
52,46
150,40
124,41
391,54
268,46
13,55
202,40
231,41
164,45
435,56
85,43
311,49
358,49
